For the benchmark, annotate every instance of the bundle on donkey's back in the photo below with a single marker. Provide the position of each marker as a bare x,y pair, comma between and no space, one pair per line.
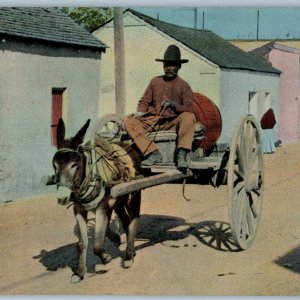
84,176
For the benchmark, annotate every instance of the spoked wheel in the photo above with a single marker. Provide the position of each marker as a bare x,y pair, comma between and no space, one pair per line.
245,181
109,127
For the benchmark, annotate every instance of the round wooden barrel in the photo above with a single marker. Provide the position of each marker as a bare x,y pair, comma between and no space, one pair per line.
208,114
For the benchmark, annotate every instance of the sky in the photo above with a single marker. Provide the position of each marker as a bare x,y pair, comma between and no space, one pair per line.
231,19
235,22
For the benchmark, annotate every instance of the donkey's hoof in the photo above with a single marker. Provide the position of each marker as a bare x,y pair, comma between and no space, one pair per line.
105,258
76,278
126,264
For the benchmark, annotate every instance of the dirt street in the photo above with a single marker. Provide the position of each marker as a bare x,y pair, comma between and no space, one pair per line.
38,244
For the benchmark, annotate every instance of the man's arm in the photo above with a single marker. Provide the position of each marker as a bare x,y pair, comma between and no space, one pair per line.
146,101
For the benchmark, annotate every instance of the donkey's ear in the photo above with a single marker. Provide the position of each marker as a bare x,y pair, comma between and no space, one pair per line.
60,133
79,137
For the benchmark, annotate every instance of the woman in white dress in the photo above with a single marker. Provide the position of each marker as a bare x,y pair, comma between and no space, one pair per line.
267,123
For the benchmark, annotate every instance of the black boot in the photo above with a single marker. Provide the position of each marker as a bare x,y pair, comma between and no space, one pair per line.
152,159
181,159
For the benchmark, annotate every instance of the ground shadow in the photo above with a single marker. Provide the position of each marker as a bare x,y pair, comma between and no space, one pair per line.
66,256
160,229
152,229
291,260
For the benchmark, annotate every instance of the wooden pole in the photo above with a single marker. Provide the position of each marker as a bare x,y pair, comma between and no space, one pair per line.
138,184
195,18
120,93
257,26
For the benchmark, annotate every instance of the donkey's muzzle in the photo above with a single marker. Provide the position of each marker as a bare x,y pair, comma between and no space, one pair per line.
63,195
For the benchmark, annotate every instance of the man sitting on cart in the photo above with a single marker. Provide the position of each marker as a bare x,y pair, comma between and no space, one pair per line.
167,104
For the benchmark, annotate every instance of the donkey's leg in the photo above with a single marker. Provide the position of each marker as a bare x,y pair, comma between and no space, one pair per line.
103,215
81,218
130,223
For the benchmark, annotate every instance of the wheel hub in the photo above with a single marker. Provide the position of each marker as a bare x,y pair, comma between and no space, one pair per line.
253,181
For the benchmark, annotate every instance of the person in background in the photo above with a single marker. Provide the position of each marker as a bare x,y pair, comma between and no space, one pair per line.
167,104
267,123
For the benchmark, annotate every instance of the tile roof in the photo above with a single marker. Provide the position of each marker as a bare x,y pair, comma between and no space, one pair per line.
211,46
46,24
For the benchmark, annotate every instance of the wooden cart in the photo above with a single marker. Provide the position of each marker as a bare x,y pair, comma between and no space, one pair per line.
240,165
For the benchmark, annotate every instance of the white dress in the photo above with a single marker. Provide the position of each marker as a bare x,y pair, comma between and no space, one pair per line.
268,140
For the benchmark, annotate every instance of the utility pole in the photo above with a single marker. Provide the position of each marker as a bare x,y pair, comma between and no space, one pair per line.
119,61
195,18
257,26
203,15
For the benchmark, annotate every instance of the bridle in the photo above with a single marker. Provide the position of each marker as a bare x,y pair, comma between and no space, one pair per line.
91,190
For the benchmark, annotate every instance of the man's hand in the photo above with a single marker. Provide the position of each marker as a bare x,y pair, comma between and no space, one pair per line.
169,103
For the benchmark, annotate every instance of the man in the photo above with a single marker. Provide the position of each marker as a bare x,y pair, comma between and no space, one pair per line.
166,104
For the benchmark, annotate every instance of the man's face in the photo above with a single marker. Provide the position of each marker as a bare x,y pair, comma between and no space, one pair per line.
171,69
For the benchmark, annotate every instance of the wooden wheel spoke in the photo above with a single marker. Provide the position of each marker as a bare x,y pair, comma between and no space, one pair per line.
238,173
253,207
257,192
249,218
239,203
240,224
241,150
253,156
240,160
251,134
238,187
247,141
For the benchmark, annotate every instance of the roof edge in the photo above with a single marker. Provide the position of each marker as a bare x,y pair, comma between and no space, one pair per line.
55,41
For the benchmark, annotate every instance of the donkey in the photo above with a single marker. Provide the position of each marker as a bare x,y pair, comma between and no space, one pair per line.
69,164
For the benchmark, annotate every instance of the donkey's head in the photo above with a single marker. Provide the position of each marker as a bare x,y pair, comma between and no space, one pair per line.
68,163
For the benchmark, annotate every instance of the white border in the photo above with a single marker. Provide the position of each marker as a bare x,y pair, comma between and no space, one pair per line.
153,3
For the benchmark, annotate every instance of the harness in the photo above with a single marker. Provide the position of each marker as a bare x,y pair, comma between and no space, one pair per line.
106,165
92,188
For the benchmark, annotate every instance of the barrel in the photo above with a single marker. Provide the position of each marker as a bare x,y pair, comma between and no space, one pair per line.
208,114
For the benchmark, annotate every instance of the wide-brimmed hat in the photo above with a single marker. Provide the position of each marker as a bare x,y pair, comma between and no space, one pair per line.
172,54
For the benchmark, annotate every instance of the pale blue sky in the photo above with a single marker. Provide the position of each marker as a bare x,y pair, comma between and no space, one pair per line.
278,18
235,22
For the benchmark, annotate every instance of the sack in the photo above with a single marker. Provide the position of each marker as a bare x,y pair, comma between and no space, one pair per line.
113,163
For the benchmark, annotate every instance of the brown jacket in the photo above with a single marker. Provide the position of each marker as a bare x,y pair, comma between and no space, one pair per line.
160,89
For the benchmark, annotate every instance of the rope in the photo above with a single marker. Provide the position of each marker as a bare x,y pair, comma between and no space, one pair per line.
183,190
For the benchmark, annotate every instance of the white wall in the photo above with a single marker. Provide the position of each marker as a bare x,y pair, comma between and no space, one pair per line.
235,88
27,75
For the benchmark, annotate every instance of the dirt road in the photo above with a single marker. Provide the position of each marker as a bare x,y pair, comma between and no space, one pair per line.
38,244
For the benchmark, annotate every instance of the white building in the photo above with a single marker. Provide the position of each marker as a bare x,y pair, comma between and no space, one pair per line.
50,68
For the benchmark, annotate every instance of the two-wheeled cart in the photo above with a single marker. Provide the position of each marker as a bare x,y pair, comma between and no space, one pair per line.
240,165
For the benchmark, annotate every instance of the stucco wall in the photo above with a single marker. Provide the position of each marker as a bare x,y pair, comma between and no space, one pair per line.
253,44
235,87
288,63
28,73
143,44
249,45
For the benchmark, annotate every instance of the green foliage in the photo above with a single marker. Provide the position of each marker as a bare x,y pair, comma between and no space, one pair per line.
90,17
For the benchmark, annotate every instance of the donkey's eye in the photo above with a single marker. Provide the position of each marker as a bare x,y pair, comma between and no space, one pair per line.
74,166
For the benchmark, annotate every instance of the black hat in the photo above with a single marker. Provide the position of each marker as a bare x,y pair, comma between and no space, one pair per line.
172,54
